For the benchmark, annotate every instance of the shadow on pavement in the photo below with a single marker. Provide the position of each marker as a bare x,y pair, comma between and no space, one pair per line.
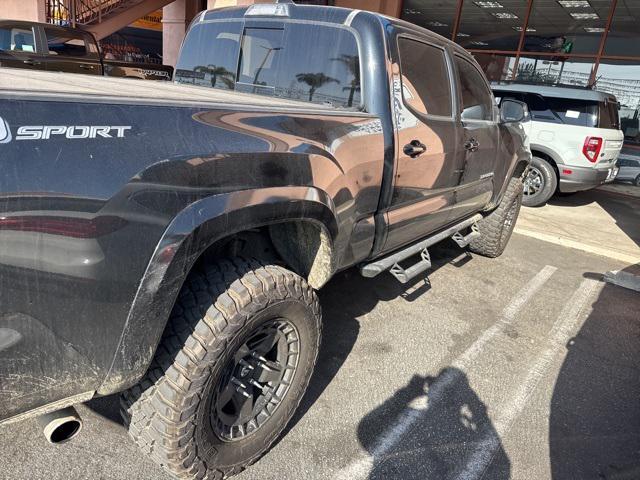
594,424
450,437
624,209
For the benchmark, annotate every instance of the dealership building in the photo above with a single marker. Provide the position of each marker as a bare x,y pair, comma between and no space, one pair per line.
584,43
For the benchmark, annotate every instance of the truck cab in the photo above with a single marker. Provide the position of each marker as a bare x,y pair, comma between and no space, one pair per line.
166,240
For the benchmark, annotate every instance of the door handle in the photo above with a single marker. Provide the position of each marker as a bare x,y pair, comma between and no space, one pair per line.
414,148
31,62
86,67
472,145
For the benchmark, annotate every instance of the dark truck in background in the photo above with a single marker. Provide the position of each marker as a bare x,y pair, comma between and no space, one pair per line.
166,241
42,46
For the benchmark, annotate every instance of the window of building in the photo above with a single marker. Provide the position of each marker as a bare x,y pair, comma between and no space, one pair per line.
425,77
554,70
209,55
17,40
65,44
496,67
477,101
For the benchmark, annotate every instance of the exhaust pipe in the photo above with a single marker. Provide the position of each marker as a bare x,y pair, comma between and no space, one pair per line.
60,426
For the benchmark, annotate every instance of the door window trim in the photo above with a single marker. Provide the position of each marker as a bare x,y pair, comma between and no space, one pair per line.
493,120
450,73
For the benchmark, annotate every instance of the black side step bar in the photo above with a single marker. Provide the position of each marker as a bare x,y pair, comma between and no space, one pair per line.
404,275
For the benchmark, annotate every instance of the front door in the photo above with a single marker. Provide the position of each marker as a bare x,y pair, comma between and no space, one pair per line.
427,136
479,153
18,47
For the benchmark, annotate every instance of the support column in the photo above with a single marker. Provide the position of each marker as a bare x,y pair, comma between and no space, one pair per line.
30,10
175,19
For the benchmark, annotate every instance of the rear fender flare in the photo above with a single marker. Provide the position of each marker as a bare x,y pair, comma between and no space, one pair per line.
189,234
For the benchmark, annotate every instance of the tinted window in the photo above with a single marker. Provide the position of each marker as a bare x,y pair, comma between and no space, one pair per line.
17,40
609,116
477,103
260,56
581,113
66,44
306,62
315,63
538,108
209,55
425,79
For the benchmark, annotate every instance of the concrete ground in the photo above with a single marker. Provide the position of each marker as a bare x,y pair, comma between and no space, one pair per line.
602,221
524,367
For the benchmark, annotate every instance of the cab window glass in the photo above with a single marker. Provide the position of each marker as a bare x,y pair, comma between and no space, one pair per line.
425,79
209,55
277,62
65,44
259,58
17,40
477,103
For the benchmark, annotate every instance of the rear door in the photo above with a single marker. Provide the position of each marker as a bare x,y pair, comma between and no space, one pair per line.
71,51
427,137
18,46
479,153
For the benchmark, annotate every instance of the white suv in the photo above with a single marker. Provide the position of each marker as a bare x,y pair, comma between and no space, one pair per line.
574,135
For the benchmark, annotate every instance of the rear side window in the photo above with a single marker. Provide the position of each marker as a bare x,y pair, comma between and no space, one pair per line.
477,101
313,63
209,55
65,44
609,117
17,40
425,78
581,113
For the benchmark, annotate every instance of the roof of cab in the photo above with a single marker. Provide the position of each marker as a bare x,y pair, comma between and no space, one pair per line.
317,13
285,10
575,93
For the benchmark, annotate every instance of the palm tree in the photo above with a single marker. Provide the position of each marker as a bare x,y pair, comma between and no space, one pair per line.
315,81
352,62
216,73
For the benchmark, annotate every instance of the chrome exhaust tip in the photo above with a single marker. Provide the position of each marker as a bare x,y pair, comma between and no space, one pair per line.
60,426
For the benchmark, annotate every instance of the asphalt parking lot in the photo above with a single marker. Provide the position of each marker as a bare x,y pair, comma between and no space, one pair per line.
524,367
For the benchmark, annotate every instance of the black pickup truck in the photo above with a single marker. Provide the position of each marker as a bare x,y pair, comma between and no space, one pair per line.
166,240
41,46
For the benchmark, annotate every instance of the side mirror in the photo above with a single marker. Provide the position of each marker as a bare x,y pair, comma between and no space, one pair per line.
512,111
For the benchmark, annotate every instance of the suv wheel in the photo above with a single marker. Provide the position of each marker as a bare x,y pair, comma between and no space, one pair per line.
496,228
232,367
637,181
540,183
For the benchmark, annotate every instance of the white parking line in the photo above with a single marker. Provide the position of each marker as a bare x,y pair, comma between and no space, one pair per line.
563,328
361,467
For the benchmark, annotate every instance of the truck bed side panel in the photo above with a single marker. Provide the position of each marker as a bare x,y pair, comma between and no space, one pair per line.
88,189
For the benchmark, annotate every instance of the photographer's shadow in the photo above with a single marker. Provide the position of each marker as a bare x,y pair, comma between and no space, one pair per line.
434,427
